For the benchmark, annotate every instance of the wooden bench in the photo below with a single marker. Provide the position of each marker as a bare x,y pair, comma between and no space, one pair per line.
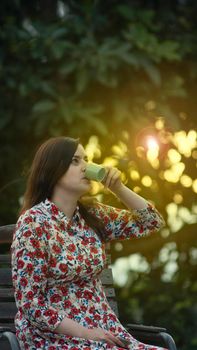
147,334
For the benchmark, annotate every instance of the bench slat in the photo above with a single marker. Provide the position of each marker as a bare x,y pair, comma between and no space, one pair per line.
7,311
5,277
106,276
6,233
6,294
5,259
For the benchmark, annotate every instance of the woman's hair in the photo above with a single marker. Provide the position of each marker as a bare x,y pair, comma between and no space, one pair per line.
51,161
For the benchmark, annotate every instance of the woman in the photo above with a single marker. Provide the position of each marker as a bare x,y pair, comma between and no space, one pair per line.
58,253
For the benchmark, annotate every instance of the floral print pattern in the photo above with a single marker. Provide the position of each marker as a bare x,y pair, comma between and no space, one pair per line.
56,264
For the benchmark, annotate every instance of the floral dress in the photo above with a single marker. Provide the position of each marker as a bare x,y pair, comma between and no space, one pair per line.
56,264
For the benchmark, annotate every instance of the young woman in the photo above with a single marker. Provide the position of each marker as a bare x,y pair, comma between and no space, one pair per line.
58,253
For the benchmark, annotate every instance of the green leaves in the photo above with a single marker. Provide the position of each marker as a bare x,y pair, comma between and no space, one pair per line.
43,106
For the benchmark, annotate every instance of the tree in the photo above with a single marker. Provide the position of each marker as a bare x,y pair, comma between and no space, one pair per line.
118,72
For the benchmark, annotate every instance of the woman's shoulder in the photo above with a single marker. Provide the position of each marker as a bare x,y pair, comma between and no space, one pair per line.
34,214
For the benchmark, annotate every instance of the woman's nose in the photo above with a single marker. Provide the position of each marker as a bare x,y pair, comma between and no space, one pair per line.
84,165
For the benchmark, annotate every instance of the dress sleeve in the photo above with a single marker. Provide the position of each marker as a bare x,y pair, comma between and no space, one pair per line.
123,224
29,274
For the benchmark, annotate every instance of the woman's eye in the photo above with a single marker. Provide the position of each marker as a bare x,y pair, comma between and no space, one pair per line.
75,160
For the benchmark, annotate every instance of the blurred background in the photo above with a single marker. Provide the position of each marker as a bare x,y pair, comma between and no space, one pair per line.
122,76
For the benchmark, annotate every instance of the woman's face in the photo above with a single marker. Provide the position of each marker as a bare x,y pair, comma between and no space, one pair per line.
74,181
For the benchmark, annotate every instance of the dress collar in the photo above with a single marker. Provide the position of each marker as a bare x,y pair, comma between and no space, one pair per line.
59,214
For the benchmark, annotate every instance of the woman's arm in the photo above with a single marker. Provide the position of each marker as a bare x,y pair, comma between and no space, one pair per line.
29,274
126,195
129,198
140,220
72,328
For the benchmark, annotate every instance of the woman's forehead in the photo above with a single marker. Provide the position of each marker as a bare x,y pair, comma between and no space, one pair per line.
80,151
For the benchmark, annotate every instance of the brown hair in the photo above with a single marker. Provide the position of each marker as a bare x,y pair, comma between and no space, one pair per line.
51,161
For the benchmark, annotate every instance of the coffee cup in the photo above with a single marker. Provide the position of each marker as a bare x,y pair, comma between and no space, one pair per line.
95,172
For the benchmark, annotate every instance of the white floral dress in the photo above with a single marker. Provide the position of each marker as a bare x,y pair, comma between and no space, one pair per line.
56,263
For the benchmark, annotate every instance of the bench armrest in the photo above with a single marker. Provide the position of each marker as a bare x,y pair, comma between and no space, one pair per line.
6,333
152,335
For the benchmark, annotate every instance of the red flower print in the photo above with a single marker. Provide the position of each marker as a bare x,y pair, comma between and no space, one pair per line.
94,250
53,262
84,242
30,295
64,290
74,310
92,310
35,243
78,294
48,313
69,257
19,253
61,342
54,209
37,313
26,306
39,231
37,278
62,226
80,257
78,269
31,254
112,329
96,261
83,308
112,317
19,295
20,264
71,247
67,304
23,282
35,289
41,301
63,267
106,220
105,318
27,233
60,239
104,307
53,319
87,261
92,240
39,254
55,298
28,220
44,269
97,317
29,268
88,320
87,294
56,248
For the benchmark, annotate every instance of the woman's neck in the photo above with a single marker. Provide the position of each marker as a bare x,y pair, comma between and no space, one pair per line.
65,202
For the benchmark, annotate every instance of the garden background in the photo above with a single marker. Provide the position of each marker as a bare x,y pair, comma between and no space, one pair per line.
122,76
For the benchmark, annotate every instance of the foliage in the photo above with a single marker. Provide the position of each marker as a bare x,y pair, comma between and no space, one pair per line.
109,69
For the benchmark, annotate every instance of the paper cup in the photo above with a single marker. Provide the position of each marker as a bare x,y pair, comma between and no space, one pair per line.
95,172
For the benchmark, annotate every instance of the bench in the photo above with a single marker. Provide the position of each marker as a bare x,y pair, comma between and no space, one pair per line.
147,334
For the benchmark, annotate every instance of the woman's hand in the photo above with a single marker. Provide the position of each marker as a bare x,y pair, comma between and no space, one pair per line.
102,335
112,179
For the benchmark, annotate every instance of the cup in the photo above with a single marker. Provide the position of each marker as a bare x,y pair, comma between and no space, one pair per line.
95,172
